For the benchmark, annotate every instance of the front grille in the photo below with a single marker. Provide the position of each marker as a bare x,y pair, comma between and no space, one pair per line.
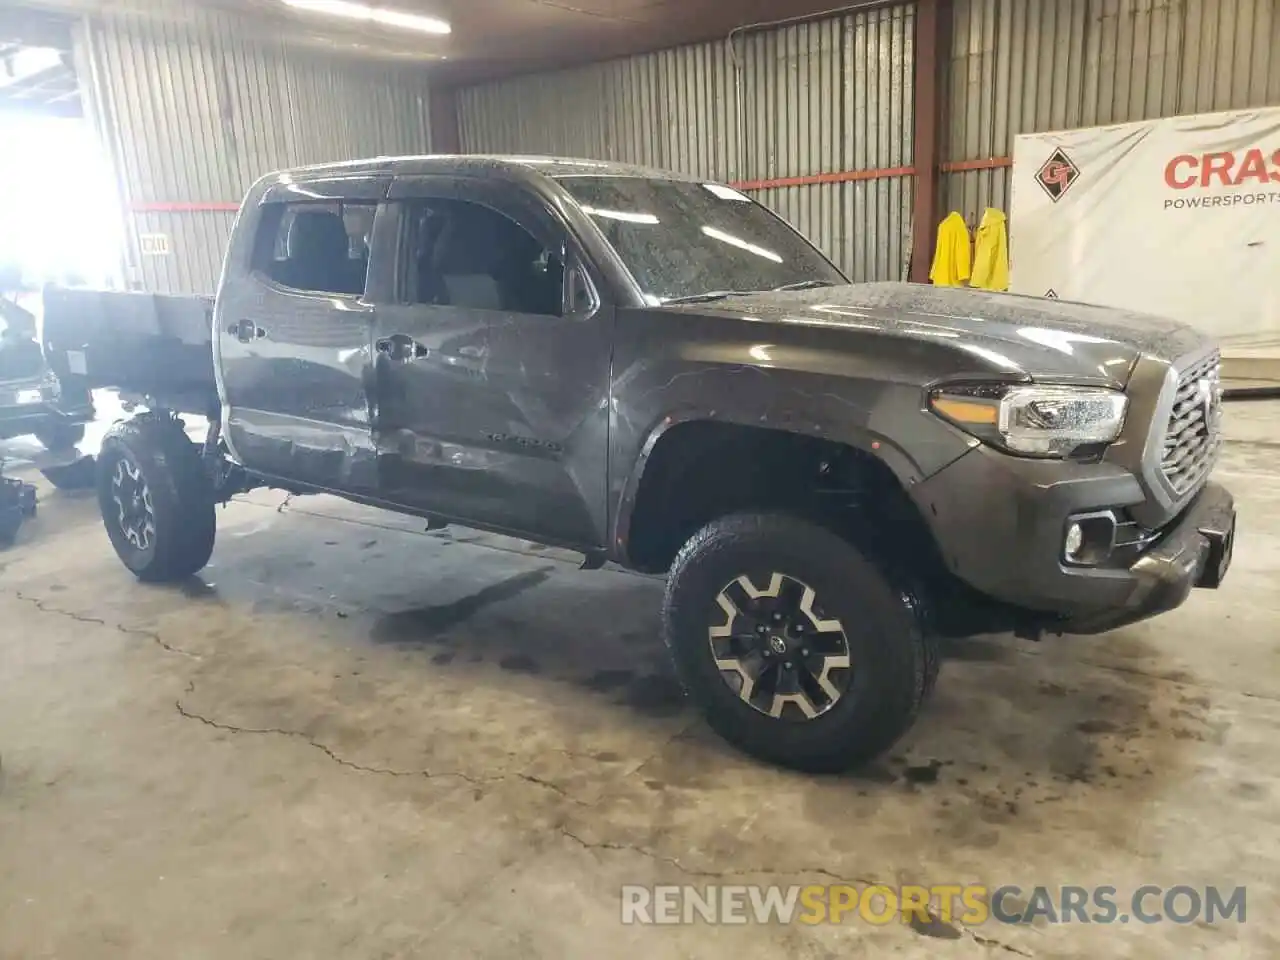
1195,426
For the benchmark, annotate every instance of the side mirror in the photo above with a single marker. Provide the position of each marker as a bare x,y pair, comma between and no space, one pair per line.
581,299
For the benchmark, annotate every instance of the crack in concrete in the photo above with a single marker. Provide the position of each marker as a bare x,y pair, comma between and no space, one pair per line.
997,944
480,781
631,774
716,874
158,640
477,780
327,750
800,871
44,607
554,787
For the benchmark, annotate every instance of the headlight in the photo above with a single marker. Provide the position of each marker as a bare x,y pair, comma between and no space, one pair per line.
1034,421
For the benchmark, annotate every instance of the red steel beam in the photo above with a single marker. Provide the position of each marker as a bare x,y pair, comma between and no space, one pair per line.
846,176
813,179
933,20
963,166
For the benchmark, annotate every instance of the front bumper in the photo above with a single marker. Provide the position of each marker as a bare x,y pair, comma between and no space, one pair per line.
1194,552
999,523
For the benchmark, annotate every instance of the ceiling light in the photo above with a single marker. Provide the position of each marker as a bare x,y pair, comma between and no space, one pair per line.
726,193
625,215
741,244
369,14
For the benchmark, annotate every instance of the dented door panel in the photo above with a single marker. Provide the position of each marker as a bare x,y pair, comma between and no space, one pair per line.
497,416
294,366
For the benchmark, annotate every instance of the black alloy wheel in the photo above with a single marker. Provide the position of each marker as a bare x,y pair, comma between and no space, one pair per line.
156,498
797,646
776,648
135,513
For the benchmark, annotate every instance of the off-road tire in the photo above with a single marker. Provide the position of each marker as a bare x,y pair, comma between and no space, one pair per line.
181,497
894,658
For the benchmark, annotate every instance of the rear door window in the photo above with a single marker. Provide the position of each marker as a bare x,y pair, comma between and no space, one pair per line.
316,247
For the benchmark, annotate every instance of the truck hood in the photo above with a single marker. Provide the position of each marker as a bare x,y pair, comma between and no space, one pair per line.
1008,334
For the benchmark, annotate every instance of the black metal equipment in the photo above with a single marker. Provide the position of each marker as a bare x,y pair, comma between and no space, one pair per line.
17,503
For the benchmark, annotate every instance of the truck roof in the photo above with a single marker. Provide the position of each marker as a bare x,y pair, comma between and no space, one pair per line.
490,164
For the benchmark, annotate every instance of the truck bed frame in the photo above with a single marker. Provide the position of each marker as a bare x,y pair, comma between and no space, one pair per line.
153,346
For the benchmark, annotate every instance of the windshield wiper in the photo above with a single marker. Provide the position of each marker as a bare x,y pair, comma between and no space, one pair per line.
708,296
803,285
721,294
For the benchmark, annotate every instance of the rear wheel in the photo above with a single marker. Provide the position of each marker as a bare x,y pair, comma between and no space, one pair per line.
796,647
155,498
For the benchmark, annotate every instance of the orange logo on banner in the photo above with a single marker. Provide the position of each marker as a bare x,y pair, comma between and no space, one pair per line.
1057,175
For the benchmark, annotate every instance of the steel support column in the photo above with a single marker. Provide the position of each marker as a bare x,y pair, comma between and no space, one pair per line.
933,31
446,137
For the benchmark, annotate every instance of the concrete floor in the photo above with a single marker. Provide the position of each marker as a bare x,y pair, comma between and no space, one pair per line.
354,739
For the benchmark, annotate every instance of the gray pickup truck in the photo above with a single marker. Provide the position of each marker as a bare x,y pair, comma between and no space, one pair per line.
656,371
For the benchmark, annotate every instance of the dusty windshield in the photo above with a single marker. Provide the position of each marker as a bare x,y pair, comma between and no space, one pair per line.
682,239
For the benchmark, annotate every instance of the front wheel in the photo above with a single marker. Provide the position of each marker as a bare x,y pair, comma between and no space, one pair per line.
795,646
155,498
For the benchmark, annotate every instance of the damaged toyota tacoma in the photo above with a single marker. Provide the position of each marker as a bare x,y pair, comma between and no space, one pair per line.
656,371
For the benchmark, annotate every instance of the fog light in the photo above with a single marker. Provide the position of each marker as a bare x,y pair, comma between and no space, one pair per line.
1089,538
1074,542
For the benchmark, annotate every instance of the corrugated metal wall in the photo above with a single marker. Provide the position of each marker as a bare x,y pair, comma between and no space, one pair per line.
674,109
1027,67
193,112
832,96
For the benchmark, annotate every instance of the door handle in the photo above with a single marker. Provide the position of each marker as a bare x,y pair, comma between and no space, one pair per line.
246,331
402,347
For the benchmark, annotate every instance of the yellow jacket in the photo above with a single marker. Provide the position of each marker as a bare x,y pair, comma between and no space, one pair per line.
991,253
951,254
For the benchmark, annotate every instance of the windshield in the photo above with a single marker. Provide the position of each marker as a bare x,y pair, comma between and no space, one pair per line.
682,239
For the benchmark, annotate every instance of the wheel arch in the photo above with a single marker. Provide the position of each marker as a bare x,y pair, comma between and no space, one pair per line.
680,434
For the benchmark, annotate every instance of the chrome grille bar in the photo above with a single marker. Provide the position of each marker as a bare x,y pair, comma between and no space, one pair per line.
1194,433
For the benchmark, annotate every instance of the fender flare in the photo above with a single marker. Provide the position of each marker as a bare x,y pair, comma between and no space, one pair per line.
875,445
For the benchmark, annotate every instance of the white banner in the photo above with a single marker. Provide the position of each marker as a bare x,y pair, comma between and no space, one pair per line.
1177,217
